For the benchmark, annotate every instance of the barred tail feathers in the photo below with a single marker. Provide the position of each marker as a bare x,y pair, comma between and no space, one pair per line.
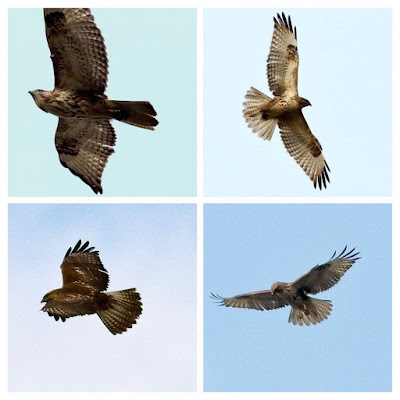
314,312
137,113
123,309
252,113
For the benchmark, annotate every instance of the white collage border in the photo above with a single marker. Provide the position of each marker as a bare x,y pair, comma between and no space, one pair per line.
200,200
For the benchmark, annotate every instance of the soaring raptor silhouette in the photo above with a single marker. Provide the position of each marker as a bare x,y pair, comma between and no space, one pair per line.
84,281
262,113
305,310
84,137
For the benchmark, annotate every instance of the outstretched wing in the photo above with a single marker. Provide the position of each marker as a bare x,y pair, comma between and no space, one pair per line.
323,277
84,146
83,265
283,59
69,305
263,300
304,147
77,49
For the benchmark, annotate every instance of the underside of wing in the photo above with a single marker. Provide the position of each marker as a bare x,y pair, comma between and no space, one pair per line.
304,147
69,305
83,265
283,59
323,277
77,49
84,146
263,300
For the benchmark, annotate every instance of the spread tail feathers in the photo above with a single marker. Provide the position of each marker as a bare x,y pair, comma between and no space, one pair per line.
255,118
138,113
314,312
121,311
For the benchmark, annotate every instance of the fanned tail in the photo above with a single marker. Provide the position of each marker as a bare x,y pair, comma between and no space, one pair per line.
137,113
121,311
314,312
255,118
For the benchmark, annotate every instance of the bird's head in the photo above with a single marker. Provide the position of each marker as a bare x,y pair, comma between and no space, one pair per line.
277,287
39,97
48,296
304,102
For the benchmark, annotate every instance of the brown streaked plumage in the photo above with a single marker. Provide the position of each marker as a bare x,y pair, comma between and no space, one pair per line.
262,113
84,281
80,67
305,310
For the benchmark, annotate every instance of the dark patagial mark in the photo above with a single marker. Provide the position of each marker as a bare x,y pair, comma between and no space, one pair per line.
292,52
68,146
56,22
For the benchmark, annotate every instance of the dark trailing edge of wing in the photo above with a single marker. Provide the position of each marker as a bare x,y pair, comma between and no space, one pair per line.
79,249
348,256
286,23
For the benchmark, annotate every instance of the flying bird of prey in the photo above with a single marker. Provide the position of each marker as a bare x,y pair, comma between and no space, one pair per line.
83,292
262,113
84,136
305,310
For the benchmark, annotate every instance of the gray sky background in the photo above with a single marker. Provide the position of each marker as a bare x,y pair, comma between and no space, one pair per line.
149,247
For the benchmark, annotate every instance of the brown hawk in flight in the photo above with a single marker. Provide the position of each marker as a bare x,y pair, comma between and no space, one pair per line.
84,137
84,281
262,113
305,310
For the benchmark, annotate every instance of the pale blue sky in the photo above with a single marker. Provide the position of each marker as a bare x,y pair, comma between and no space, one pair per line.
149,247
152,56
345,72
249,247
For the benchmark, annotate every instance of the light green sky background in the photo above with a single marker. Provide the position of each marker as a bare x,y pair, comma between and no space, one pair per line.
152,56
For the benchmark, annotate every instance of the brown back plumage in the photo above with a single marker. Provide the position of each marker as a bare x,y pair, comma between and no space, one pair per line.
84,281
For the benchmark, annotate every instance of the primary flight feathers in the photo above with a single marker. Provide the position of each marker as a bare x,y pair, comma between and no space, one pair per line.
84,136
263,113
305,310
84,281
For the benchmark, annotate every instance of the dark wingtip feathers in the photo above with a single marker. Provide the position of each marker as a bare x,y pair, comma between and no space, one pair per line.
348,256
80,249
285,23
217,299
323,179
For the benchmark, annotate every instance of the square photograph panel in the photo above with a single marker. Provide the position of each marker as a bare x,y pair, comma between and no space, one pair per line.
133,341
151,61
337,60
289,306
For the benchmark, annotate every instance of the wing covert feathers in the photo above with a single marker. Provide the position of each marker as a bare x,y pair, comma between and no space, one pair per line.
263,300
283,59
305,148
84,146
323,277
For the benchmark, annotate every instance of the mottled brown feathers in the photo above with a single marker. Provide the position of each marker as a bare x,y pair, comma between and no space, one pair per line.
84,136
84,281
305,310
262,113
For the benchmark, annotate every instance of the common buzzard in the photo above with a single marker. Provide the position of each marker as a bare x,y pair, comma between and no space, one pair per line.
262,113
84,137
305,310
84,281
